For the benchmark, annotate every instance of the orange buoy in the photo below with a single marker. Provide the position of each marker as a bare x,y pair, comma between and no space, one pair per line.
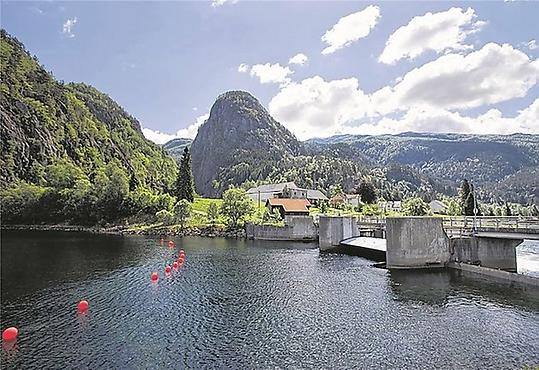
175,264
167,269
10,334
155,276
83,306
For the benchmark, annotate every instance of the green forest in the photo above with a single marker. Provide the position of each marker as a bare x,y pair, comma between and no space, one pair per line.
70,153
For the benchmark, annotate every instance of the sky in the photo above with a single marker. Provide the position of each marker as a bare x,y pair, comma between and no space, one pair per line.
320,68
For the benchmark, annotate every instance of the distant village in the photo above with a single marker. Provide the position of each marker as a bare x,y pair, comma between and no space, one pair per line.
291,200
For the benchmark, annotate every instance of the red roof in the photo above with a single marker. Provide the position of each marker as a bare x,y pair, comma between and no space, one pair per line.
290,205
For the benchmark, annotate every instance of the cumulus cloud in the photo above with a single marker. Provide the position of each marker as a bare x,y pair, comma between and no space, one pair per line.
428,98
493,74
216,3
350,29
315,107
271,73
243,68
67,28
438,32
190,131
157,137
299,59
427,119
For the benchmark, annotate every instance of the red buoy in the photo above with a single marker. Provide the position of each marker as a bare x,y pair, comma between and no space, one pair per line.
180,261
10,334
167,269
162,241
170,243
83,306
155,276
175,264
182,251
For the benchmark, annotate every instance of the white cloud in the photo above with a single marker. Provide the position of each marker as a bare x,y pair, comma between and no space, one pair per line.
188,132
216,3
192,129
315,107
425,99
423,119
350,29
243,68
67,28
532,45
438,32
157,137
494,74
299,59
271,73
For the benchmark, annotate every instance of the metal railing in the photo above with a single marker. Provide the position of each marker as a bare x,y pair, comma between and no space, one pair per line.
468,224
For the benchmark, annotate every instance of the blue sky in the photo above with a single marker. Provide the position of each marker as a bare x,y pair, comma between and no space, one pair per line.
166,62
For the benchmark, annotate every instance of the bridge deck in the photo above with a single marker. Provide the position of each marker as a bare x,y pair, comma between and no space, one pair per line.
377,244
506,235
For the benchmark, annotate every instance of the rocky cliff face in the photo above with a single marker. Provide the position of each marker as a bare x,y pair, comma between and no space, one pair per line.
43,121
239,130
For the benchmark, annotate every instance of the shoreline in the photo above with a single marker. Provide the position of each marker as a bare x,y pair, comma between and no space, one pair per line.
121,230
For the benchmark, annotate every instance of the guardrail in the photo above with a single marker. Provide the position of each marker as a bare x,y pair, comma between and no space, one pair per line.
468,224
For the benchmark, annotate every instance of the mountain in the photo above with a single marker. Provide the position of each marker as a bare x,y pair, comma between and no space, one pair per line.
491,162
175,147
239,133
69,136
241,144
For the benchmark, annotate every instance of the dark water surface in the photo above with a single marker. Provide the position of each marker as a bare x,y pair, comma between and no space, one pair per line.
244,304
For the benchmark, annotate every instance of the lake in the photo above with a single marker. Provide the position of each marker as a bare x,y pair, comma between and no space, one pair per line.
246,304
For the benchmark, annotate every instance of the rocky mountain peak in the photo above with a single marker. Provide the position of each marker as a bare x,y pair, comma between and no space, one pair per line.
238,124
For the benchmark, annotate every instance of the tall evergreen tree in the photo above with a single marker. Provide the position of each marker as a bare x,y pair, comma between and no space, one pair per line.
466,198
184,187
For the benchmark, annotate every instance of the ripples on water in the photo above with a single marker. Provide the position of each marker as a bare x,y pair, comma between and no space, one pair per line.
239,304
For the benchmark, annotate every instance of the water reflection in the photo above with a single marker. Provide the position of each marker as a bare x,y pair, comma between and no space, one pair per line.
241,304
439,286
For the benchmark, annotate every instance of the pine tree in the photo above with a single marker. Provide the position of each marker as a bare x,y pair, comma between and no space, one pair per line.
184,187
467,198
464,192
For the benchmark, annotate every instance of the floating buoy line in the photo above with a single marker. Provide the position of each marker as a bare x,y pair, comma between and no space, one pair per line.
10,334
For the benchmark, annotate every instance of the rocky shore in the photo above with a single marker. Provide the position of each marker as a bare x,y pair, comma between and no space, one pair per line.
123,230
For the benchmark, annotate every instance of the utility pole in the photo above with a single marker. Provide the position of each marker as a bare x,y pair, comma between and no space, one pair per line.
474,210
259,199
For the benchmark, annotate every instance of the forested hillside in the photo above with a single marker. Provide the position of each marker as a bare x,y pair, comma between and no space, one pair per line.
503,168
69,152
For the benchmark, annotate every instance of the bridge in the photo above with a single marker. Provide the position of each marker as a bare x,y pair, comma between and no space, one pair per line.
412,242
504,227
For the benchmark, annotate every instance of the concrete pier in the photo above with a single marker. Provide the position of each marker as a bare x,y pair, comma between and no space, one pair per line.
416,242
333,230
487,252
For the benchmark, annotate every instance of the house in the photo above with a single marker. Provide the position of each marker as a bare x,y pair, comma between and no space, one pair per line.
353,199
264,192
437,206
285,190
338,200
288,207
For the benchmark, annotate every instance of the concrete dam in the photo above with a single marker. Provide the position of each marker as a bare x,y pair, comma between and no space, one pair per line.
486,246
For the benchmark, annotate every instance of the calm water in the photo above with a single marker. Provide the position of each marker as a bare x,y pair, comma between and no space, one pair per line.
238,304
